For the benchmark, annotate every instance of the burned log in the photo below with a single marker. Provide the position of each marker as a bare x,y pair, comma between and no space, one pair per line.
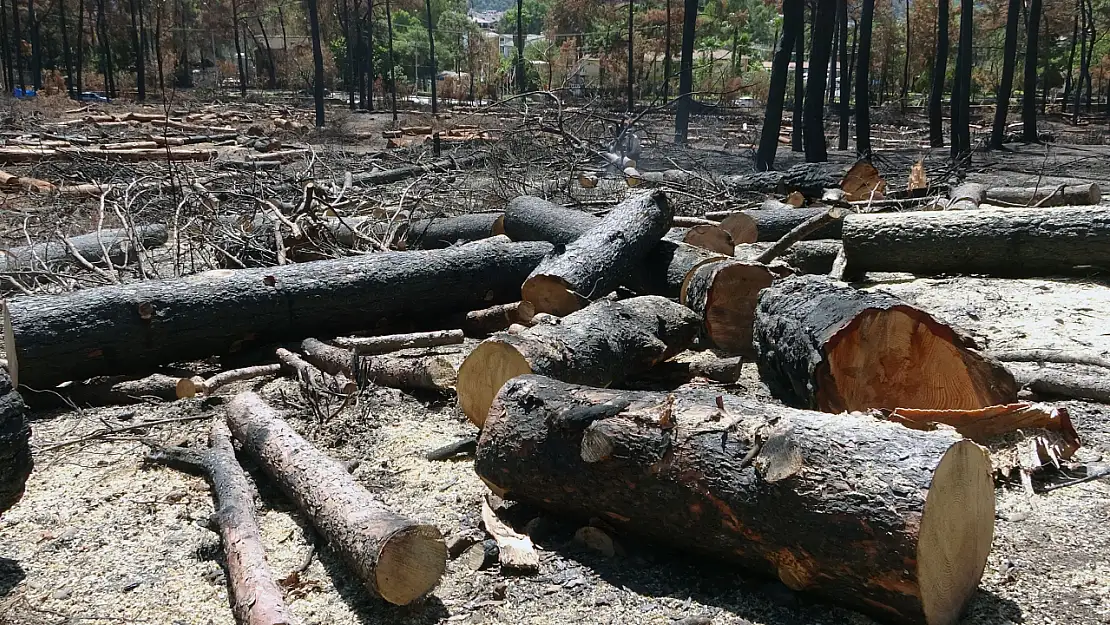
773,224
602,258
712,238
398,559
135,327
731,470
482,323
429,373
805,256
15,444
811,179
107,391
723,293
823,345
1015,242
967,196
1082,194
256,598
118,244
603,343
446,231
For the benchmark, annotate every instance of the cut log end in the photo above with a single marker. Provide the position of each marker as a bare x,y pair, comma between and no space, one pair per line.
410,564
189,387
896,358
742,227
725,294
552,295
482,375
713,238
957,527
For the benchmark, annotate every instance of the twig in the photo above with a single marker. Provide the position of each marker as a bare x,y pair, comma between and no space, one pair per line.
800,232
126,428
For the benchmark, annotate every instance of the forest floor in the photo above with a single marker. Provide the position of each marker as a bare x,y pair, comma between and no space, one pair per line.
102,537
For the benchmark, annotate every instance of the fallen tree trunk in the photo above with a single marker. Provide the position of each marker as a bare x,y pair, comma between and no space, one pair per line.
138,326
1084,387
731,470
428,373
398,559
712,238
1084,194
967,196
602,258
191,387
107,391
1021,242
446,231
805,256
15,444
482,323
256,598
117,243
401,173
773,224
724,293
811,179
603,343
823,345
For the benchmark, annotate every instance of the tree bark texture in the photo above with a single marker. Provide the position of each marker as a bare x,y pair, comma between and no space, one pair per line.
772,223
863,80
804,256
686,70
1085,194
370,345
133,328
603,343
1007,242
15,444
825,346
256,599
398,559
940,73
797,141
1029,84
845,77
814,112
718,474
446,231
811,179
961,93
1009,62
793,18
118,244
602,258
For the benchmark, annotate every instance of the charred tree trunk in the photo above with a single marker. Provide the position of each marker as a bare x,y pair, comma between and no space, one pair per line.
845,76
1029,84
36,46
863,80
821,48
731,470
1033,242
906,62
825,346
600,344
67,52
667,54
832,58
602,258
17,36
118,244
398,559
793,21
15,444
6,52
445,232
1083,194
631,79
256,598
240,59
146,324
940,73
773,223
432,61
686,70
1071,56
815,256
392,60
81,46
317,61
140,57
797,141
1009,62
961,93
271,64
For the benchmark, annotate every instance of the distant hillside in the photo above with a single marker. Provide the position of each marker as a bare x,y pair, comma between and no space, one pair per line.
491,5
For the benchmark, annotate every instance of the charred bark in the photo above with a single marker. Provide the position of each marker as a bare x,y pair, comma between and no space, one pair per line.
793,23
15,444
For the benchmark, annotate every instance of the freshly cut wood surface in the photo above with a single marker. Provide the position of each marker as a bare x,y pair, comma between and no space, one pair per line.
724,294
397,559
823,345
600,344
731,470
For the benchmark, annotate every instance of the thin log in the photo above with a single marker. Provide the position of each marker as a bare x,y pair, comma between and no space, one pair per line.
799,232
602,258
371,345
462,446
967,196
139,326
398,559
601,344
482,323
191,387
1084,387
15,444
1052,355
428,373
760,486
312,377
805,256
1013,242
118,243
823,345
107,391
444,232
773,224
256,599
1080,194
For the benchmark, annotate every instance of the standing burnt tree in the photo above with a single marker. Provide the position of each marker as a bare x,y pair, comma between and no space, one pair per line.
1009,61
940,71
793,16
961,91
317,61
1029,86
686,71
797,141
863,80
136,46
820,51
845,77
